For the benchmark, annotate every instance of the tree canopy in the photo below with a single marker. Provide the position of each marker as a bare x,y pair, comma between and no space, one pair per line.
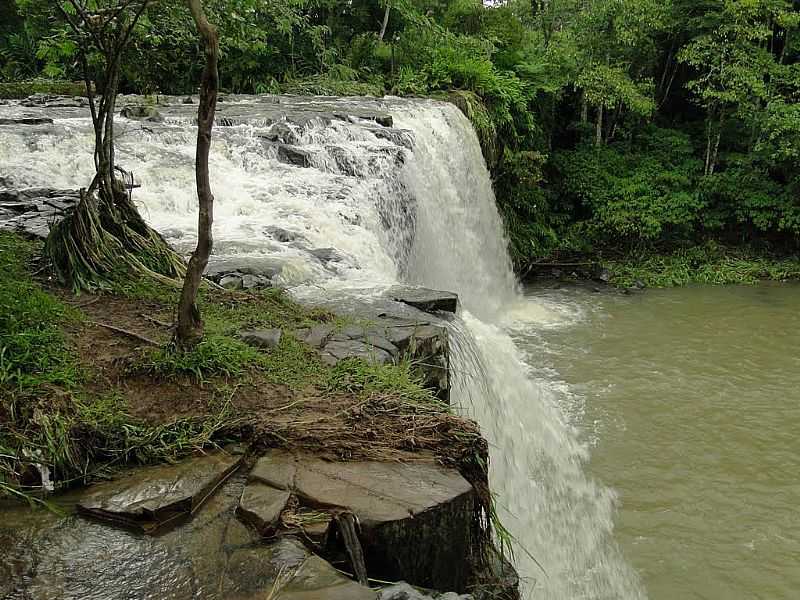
606,123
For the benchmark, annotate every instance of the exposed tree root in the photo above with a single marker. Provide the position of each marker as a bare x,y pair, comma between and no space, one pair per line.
100,243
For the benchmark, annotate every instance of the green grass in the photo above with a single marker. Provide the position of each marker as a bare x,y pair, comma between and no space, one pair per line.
33,350
46,415
401,380
50,415
709,264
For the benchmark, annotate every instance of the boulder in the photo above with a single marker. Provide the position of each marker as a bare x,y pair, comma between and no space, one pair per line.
293,155
318,336
262,338
261,506
266,266
255,282
403,591
141,113
426,300
416,519
155,496
337,350
231,282
316,579
280,235
398,137
326,255
282,132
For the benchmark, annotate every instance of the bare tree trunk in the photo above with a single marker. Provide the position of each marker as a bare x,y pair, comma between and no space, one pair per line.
598,138
190,324
584,109
385,23
715,153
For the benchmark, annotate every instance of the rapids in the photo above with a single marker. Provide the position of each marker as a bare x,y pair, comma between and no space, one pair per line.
415,207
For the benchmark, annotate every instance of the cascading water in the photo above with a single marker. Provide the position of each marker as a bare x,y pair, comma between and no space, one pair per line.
361,209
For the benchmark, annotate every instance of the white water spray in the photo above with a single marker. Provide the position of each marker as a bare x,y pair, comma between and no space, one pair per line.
390,215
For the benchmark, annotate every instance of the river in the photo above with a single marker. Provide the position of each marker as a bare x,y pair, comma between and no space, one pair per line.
689,400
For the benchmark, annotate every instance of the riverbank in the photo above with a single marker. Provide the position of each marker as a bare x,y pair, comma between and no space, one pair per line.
90,386
707,264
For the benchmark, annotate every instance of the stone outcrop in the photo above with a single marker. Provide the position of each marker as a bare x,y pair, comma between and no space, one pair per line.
425,299
32,211
157,496
212,556
399,509
262,338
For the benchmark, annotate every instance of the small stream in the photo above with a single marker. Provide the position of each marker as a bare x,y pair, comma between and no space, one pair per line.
689,400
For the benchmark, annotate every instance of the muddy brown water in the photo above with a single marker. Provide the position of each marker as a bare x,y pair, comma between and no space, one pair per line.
689,400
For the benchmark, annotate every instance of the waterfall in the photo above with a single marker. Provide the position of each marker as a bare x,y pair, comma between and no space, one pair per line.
411,204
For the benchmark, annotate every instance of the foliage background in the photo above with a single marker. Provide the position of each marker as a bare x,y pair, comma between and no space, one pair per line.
610,126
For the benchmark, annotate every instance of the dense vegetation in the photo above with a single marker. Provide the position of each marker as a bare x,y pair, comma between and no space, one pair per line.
611,127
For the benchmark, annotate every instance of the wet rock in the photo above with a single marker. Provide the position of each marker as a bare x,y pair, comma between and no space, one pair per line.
265,266
316,579
336,350
212,556
293,155
382,119
154,496
426,300
231,282
326,255
282,132
382,343
172,233
26,121
398,137
255,282
415,519
261,506
280,235
318,336
188,100
141,113
263,338
403,591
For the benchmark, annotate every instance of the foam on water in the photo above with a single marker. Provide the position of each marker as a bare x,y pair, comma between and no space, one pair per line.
392,215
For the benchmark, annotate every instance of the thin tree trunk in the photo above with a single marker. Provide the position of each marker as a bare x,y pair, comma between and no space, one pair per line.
385,23
715,153
707,167
190,325
598,138
584,109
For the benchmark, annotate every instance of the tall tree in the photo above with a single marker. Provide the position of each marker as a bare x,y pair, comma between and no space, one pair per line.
190,323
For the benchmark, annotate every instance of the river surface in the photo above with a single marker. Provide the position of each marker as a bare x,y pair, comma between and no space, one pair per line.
689,401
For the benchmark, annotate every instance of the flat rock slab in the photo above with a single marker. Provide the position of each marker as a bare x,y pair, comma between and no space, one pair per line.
416,519
316,579
155,496
426,300
261,506
210,557
337,350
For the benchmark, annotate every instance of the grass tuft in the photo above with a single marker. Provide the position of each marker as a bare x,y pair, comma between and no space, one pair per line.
709,264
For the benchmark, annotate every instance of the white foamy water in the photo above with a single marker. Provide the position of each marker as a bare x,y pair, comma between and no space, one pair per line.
391,215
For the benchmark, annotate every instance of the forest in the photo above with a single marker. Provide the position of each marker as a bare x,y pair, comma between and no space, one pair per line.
612,128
